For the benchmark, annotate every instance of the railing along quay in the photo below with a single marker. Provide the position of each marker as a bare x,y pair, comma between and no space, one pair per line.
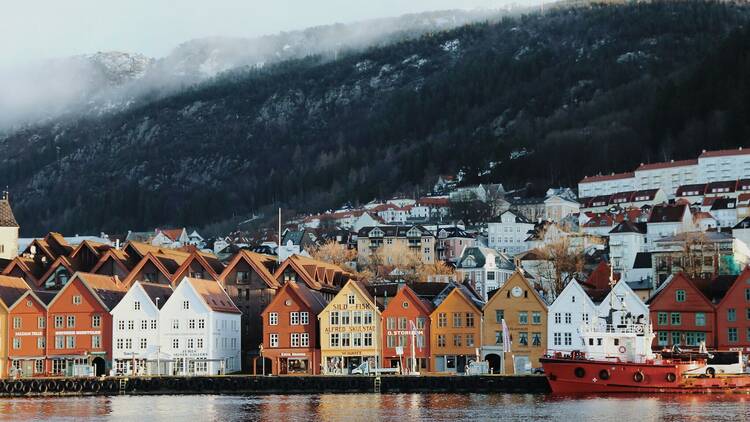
248,384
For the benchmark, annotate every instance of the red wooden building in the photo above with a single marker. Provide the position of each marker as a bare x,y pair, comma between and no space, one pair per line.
681,314
290,330
733,315
79,325
406,312
27,334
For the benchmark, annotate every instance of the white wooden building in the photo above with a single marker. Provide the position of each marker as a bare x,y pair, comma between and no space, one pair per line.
571,309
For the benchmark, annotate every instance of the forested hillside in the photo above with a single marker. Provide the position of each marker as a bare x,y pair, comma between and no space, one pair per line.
570,92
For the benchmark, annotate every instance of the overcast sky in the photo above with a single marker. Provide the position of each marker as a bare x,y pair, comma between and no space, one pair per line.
41,29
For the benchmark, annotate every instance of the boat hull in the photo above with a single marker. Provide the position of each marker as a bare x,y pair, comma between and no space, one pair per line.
568,376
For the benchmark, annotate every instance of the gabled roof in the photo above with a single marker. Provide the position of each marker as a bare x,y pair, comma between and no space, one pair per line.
261,264
12,289
172,234
743,224
107,290
494,294
658,294
312,299
154,291
691,190
735,283
149,257
721,186
393,231
599,279
28,266
466,295
724,204
209,263
519,218
118,256
61,261
628,226
212,294
96,248
667,213
316,274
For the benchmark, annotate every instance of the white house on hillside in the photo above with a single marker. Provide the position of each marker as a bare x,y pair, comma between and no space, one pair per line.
667,220
135,330
571,309
508,233
557,207
200,329
625,241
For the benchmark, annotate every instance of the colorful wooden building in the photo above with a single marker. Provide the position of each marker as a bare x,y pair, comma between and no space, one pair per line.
79,325
290,330
525,315
11,290
350,332
733,315
406,331
27,332
455,327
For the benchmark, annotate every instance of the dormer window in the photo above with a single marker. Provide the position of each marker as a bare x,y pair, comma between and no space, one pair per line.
413,232
376,232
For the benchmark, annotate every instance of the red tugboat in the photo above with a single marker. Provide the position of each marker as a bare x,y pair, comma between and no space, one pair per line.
619,359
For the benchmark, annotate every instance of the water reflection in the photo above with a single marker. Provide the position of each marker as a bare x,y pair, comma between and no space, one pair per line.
375,407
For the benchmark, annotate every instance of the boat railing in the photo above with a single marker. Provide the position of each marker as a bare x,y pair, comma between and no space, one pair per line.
614,328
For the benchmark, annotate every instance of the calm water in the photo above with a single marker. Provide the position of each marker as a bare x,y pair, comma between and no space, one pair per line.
387,407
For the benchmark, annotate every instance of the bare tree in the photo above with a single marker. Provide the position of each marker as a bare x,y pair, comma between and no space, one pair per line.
565,262
334,253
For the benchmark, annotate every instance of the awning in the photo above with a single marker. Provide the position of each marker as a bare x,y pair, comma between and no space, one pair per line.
26,357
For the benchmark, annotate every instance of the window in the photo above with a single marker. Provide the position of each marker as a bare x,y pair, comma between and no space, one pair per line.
536,317
38,366
304,318
676,337
536,339
558,318
16,322
121,324
41,322
70,342
731,314
350,299
732,335
499,315
175,343
368,317
96,341
153,324
137,305
191,324
747,295
76,300
131,324
294,339
176,324
345,339
345,318
568,339
191,344
457,340
201,324
59,342
680,295
421,322
585,317
120,343
663,339
470,319
700,319
334,340
676,318
41,342
294,318
469,340
568,318
368,339
356,318
456,319
185,304
442,319
523,338
304,340
273,340
523,317
16,343
557,339
144,343
71,321
199,343
661,318
273,318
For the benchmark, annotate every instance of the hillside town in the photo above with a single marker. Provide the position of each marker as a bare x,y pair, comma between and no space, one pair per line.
467,279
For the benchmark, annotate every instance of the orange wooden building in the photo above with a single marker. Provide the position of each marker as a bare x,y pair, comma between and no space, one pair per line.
79,325
290,330
455,327
27,334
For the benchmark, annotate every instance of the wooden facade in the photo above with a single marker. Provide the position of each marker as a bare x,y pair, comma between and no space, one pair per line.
455,327
405,313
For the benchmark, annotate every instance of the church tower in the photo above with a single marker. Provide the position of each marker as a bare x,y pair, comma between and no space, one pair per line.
8,229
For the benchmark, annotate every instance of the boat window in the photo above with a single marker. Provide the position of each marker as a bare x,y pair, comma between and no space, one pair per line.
591,342
599,342
617,342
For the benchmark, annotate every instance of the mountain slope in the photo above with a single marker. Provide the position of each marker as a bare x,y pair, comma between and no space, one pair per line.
568,93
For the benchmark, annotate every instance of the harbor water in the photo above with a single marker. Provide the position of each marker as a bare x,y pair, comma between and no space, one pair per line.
378,407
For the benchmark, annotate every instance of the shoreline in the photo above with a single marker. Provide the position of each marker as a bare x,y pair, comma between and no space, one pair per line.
251,384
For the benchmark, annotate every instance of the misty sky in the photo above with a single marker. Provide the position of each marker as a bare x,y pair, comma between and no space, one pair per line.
41,29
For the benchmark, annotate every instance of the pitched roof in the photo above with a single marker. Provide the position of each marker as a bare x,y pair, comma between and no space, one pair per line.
107,289
724,152
213,295
721,186
172,234
155,290
599,279
668,164
744,224
262,264
613,176
628,226
642,260
316,274
691,190
393,231
667,213
714,289
11,289
7,219
724,204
